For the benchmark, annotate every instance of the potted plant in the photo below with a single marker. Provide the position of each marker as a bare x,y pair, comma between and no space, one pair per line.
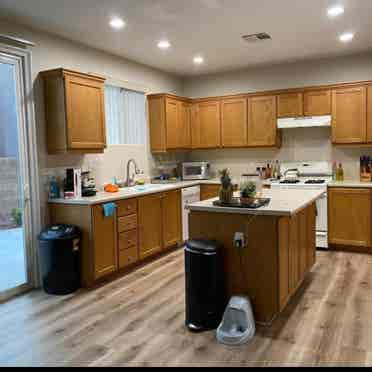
248,192
226,190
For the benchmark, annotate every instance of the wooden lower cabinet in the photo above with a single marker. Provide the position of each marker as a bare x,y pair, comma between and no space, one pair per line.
104,243
160,222
297,251
150,225
279,253
350,217
209,191
171,218
141,228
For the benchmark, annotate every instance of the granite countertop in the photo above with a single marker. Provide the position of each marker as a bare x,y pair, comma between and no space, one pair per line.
283,203
132,192
350,183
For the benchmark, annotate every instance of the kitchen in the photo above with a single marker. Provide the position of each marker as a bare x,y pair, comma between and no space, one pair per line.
131,263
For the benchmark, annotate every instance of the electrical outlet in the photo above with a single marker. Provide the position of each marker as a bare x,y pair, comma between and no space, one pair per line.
239,240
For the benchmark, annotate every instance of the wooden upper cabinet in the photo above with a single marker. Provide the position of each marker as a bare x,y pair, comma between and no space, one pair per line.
169,120
75,111
369,114
290,105
150,225
206,125
156,107
104,240
350,219
349,114
234,122
172,124
184,124
317,103
172,218
262,121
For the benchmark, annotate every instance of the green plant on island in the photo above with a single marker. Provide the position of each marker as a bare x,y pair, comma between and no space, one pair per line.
248,190
226,190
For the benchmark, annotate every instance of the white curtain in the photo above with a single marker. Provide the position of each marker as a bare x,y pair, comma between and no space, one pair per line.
125,116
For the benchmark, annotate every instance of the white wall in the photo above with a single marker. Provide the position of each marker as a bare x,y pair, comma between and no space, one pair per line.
298,144
290,75
52,52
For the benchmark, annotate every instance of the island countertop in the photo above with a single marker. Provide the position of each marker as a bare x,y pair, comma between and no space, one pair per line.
283,203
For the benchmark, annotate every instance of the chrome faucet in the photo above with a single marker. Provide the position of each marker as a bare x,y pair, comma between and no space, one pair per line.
130,181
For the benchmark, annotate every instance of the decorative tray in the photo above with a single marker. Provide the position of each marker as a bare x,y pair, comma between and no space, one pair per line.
235,203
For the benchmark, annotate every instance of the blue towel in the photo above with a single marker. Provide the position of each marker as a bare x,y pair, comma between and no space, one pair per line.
109,209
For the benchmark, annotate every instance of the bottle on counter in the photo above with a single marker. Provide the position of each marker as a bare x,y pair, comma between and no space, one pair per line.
276,170
334,171
340,173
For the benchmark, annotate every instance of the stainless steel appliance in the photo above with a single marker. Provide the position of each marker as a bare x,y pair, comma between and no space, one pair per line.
196,171
311,175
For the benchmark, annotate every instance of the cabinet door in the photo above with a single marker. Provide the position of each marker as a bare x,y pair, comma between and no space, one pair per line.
206,125
150,225
172,220
85,110
173,135
157,116
105,243
369,114
290,105
184,121
317,103
262,121
311,237
349,115
350,220
209,191
234,122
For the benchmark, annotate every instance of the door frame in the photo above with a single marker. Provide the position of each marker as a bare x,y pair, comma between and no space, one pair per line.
29,163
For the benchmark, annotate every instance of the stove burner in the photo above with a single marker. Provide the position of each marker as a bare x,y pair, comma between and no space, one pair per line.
289,182
315,182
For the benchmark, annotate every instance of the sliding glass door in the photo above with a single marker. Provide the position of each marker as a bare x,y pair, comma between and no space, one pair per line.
15,213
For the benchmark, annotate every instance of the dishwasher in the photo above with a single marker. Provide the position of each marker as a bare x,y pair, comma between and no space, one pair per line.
189,195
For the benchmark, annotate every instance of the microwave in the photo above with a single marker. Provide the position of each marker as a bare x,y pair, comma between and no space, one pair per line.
196,171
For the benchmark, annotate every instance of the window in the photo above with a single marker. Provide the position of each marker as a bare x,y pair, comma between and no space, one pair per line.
125,116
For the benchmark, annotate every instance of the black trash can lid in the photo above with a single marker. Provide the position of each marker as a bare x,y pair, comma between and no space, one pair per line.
203,246
60,232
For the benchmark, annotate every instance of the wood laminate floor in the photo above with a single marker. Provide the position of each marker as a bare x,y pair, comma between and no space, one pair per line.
139,321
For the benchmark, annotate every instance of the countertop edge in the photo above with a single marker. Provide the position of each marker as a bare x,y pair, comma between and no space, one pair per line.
117,197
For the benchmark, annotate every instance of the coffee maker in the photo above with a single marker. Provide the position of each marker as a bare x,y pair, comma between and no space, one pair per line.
88,184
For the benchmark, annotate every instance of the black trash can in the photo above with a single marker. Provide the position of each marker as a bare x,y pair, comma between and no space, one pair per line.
205,298
59,259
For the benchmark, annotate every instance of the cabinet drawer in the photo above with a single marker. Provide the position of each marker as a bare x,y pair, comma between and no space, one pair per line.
128,257
127,223
128,239
127,207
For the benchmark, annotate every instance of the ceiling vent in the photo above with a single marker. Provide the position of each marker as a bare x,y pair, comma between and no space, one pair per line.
254,38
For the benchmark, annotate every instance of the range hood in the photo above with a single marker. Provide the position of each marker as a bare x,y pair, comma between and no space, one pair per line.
305,122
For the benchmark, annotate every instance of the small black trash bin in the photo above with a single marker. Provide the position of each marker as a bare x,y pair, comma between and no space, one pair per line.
204,285
59,259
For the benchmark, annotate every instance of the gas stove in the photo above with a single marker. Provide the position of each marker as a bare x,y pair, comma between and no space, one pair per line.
314,176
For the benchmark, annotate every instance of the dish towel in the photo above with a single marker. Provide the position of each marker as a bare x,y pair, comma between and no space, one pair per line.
109,209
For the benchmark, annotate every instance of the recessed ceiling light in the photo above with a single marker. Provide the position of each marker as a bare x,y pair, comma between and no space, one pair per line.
198,60
346,37
335,11
164,44
117,23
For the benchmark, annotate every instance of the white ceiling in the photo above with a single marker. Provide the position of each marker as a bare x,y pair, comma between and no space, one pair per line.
213,28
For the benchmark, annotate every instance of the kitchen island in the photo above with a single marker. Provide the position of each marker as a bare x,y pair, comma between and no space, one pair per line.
279,246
